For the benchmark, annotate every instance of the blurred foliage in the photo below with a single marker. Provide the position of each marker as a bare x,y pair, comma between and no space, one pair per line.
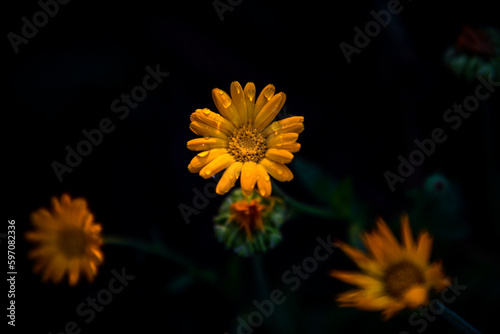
438,207
338,194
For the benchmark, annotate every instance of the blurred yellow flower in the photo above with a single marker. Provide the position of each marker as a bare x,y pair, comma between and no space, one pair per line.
393,276
68,241
243,141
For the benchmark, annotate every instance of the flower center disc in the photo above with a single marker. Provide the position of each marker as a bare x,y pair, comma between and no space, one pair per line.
72,242
402,276
247,144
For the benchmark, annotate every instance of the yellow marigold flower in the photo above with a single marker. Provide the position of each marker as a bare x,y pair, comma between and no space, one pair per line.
68,241
243,141
393,276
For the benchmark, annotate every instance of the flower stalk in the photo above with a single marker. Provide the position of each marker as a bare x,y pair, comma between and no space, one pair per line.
162,250
457,321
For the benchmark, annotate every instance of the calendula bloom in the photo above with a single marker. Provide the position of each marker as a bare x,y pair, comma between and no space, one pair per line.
243,141
394,276
249,224
68,241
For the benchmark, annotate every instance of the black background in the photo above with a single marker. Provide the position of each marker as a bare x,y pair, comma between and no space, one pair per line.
358,117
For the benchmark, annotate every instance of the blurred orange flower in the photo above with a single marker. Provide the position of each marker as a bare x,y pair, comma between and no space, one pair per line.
393,276
68,241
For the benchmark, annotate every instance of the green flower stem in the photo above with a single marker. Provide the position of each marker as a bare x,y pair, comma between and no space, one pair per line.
160,249
302,207
274,323
260,276
457,321
490,165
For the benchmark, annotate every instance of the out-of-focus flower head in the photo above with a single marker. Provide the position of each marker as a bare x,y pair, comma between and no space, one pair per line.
476,52
67,239
436,185
393,276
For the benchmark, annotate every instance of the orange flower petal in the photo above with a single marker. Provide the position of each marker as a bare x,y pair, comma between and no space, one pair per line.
74,271
228,179
406,234
250,101
362,260
41,217
263,181
205,130
215,120
416,296
361,280
392,309
282,139
239,100
202,144
388,237
269,111
424,247
279,171
365,300
248,177
226,107
213,167
265,95
281,156
376,246
290,124
56,207
292,148
435,276
205,157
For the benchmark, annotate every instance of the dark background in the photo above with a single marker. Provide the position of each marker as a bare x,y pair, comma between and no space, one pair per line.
358,118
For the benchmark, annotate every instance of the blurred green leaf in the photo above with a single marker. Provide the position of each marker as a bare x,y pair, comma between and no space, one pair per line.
338,194
438,207
317,181
179,283
342,199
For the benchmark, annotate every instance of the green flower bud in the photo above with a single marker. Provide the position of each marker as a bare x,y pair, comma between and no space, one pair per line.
249,225
436,185
475,53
